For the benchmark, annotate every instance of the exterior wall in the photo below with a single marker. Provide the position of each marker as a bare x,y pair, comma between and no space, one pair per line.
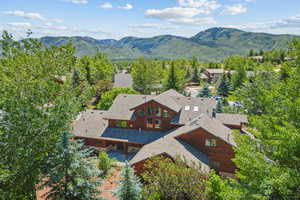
141,121
222,153
94,142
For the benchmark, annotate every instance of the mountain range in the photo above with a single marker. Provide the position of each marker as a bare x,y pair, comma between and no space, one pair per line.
214,44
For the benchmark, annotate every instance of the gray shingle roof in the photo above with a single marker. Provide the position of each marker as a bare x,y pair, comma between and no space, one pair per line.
173,148
204,105
166,99
232,119
123,80
90,123
121,106
214,127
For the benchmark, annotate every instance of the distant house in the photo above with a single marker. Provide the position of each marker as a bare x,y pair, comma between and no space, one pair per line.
214,74
123,79
168,124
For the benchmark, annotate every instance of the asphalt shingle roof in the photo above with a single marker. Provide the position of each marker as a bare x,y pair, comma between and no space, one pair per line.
121,107
232,119
123,80
90,123
173,148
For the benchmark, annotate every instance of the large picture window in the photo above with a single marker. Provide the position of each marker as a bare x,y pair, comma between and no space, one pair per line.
165,114
158,112
210,143
149,110
149,123
157,123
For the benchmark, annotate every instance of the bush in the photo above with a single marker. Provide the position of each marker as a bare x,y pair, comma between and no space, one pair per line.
105,163
166,180
107,98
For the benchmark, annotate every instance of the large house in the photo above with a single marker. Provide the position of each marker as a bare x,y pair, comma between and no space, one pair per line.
168,124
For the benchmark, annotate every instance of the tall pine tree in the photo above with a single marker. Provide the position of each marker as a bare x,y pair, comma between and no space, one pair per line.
70,173
224,86
205,92
172,82
130,187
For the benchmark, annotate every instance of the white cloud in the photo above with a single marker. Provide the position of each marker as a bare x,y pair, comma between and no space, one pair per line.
206,6
145,25
195,21
291,22
127,6
106,5
180,15
77,1
234,9
20,13
172,13
20,24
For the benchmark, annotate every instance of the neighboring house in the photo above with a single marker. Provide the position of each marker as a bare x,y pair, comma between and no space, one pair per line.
168,124
214,74
122,80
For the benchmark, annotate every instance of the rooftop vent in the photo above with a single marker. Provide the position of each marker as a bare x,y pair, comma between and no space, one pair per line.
196,108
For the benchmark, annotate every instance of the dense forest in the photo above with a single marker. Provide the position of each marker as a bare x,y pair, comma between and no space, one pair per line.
43,88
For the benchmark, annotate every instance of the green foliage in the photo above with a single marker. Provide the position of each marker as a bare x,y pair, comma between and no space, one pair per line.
129,185
166,180
252,93
38,109
172,82
71,174
268,160
95,68
220,108
224,86
108,97
104,163
223,189
238,78
146,75
205,92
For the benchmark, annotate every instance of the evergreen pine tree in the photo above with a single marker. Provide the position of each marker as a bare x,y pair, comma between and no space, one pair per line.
75,78
172,82
205,92
220,108
224,86
70,174
129,187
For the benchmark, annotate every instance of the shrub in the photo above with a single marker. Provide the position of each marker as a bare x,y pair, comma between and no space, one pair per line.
168,180
105,163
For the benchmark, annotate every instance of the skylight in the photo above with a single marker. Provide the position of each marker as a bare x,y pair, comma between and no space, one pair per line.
196,108
187,108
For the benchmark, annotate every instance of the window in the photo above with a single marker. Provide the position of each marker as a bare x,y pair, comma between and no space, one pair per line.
210,143
215,165
165,114
158,112
149,123
141,113
122,124
149,110
157,123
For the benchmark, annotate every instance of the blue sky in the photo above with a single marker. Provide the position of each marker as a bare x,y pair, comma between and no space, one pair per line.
145,18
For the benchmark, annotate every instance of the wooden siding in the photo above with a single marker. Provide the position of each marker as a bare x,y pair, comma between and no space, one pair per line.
222,153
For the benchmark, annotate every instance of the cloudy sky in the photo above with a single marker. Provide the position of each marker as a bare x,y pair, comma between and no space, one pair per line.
145,18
